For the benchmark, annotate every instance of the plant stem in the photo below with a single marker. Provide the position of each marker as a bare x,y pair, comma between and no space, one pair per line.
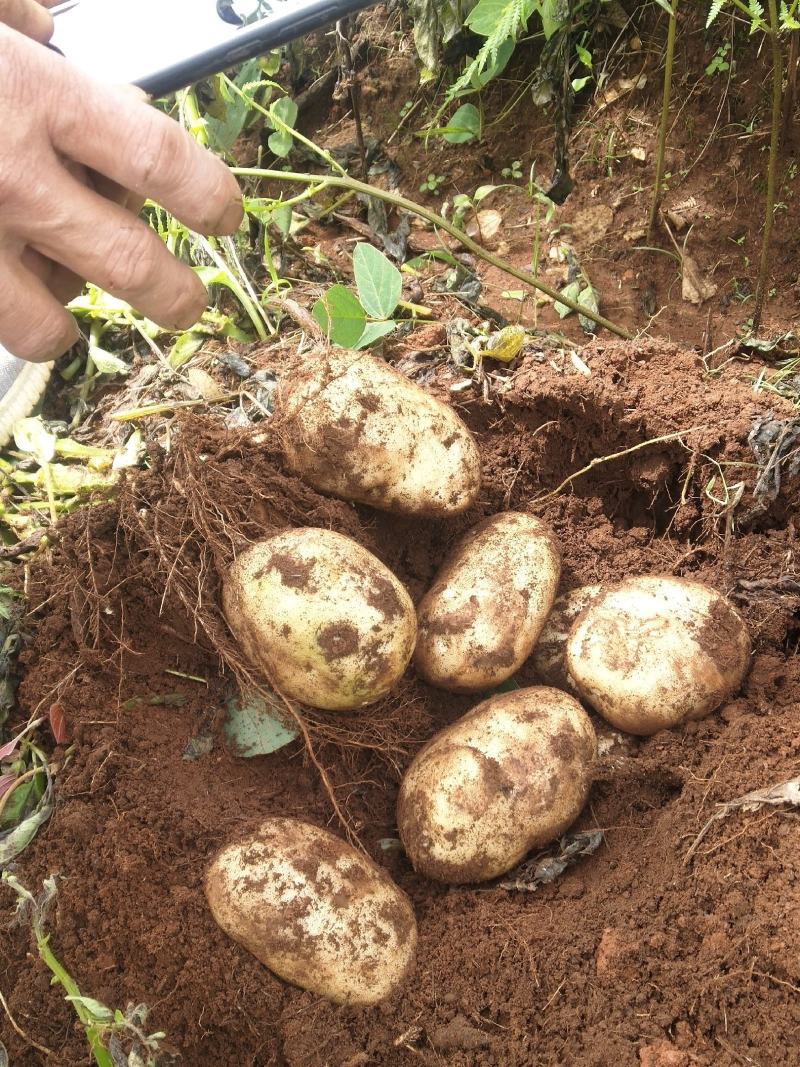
436,220
662,132
774,145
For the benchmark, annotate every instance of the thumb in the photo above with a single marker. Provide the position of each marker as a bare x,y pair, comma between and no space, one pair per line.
27,17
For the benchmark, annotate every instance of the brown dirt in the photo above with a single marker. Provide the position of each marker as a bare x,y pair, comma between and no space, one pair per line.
633,957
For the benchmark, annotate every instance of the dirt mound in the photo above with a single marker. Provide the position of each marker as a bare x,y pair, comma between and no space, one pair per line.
636,956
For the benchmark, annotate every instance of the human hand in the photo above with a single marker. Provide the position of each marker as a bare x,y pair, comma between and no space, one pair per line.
68,146
29,17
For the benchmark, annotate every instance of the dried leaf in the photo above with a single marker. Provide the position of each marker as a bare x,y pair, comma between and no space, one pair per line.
695,289
485,225
546,867
58,723
783,793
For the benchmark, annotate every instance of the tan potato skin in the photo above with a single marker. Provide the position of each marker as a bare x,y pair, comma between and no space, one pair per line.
509,776
549,656
324,620
315,911
650,653
480,619
358,429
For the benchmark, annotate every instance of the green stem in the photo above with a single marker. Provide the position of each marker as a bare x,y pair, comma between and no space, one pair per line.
193,120
662,132
102,1057
436,220
282,127
774,145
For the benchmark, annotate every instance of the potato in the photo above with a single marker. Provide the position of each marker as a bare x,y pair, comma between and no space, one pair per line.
510,775
315,911
481,617
356,428
650,653
325,620
549,655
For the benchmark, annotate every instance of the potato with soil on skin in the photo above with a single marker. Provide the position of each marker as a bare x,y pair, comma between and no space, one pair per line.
481,617
356,428
651,653
549,655
509,776
327,623
315,911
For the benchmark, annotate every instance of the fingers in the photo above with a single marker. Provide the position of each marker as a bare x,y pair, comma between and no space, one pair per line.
62,283
116,134
104,243
28,17
33,324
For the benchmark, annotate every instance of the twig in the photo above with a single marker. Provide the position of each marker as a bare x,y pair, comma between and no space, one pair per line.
774,147
411,206
784,793
28,1040
161,409
662,132
598,460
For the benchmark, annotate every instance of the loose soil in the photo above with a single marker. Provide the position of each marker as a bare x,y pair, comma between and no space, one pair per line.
633,957
636,956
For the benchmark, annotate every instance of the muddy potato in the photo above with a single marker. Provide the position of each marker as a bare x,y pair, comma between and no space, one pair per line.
549,655
315,911
650,653
481,617
356,428
510,775
325,620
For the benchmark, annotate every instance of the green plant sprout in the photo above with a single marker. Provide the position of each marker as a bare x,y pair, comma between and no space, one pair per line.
352,321
513,172
103,1027
433,184
720,64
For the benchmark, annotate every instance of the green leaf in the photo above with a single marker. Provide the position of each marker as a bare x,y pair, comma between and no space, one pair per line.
572,291
588,297
22,799
488,14
107,362
99,1012
584,55
340,316
668,7
18,839
379,282
423,259
579,83
464,126
285,110
222,132
253,728
31,437
373,331
184,348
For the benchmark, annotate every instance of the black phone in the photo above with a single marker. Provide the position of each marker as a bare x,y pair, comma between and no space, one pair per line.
165,45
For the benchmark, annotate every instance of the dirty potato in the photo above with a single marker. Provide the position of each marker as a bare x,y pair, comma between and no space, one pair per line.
315,911
481,617
354,427
325,620
650,653
549,655
510,775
